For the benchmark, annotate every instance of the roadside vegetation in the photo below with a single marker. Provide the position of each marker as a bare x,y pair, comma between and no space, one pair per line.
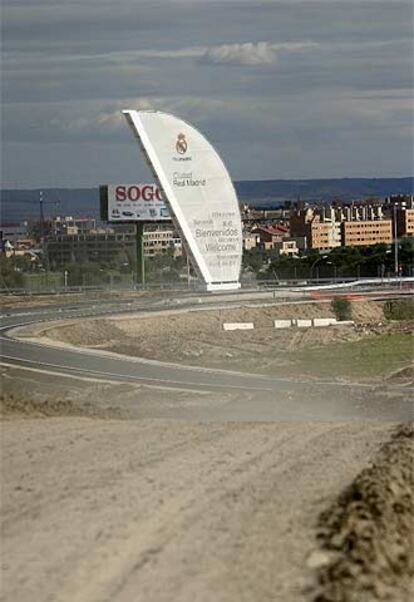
22,273
372,357
344,262
399,310
341,307
375,261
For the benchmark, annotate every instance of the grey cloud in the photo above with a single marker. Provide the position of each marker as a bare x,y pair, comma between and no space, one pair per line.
100,25
301,67
278,86
241,54
250,54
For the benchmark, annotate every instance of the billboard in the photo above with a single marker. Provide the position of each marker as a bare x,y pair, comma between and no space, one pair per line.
134,203
198,191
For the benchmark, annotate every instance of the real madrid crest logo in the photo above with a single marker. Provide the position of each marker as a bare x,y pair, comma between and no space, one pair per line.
181,144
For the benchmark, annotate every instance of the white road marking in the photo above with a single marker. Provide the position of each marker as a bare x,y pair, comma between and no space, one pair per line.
54,373
128,378
98,380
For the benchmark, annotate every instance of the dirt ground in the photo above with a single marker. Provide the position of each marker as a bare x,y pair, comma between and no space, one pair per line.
101,501
367,535
99,507
30,394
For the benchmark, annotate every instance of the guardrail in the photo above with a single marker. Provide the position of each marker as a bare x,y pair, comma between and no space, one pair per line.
335,282
99,289
195,286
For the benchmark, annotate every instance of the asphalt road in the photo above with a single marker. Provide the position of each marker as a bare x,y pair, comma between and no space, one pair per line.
260,397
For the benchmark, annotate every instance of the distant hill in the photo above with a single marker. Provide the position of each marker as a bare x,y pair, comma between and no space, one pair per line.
20,205
322,190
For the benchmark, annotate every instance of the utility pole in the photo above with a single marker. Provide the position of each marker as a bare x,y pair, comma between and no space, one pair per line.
41,215
396,271
139,239
41,232
188,271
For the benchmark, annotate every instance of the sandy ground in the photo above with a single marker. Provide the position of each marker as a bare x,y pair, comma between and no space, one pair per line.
367,535
103,502
156,510
100,503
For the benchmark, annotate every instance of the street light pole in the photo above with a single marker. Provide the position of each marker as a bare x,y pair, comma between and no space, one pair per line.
315,262
334,268
395,242
139,250
188,270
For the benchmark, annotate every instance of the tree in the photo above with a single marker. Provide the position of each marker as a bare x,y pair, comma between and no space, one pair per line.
254,259
406,256
341,306
10,277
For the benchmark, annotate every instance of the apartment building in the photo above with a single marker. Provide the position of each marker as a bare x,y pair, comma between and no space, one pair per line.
158,239
72,226
364,233
328,227
250,240
323,235
287,247
13,232
262,216
400,209
405,221
270,235
320,230
98,246
104,245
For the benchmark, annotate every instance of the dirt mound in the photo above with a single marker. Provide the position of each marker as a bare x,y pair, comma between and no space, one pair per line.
368,311
43,406
367,535
88,333
205,326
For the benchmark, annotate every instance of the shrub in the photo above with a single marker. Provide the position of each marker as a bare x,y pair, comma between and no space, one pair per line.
399,310
341,306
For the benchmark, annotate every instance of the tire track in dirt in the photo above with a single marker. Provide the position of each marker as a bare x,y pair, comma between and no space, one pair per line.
157,510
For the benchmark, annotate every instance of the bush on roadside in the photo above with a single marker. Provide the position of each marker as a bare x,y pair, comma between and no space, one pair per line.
399,310
10,276
341,306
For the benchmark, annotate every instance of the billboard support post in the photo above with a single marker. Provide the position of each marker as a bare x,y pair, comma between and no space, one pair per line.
139,240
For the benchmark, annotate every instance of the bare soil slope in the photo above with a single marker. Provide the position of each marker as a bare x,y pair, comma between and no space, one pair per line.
368,533
158,510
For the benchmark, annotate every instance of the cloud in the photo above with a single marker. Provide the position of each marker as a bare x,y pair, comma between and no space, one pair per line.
250,53
241,54
181,53
244,54
299,81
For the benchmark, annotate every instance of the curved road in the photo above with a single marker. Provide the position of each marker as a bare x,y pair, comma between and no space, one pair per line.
256,397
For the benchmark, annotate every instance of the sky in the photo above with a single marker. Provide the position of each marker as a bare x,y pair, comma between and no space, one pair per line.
282,89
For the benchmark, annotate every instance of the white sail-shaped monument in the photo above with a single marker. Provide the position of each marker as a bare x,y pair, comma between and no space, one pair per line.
198,191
